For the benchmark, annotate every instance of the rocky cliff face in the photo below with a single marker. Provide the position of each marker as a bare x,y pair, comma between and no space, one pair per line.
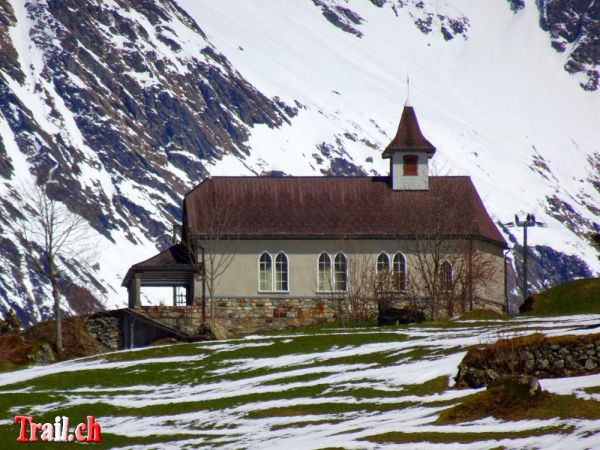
124,105
128,96
574,27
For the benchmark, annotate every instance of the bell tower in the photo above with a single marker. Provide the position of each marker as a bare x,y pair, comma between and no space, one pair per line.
409,154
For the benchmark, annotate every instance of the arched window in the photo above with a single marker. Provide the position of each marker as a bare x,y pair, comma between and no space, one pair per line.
281,272
383,263
446,276
340,272
265,272
324,272
399,272
411,165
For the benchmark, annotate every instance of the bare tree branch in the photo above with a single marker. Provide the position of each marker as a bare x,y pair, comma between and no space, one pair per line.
51,236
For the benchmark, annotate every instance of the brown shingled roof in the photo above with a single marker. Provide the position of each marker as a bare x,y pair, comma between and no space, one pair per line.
175,256
174,259
408,137
340,207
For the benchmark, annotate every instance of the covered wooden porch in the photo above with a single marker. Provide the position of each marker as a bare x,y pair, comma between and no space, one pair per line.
173,267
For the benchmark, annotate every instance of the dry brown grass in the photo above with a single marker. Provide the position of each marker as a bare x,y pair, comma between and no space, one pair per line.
76,341
14,348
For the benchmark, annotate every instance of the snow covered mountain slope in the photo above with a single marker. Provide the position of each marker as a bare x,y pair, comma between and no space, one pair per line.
127,104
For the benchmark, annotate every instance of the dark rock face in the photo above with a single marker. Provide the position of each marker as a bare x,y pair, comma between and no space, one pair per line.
574,26
147,107
546,267
9,62
340,15
516,5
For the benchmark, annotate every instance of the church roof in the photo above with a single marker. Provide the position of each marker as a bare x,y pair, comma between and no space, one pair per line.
336,208
408,137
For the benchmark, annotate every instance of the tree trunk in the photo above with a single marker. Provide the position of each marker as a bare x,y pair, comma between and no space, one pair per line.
57,315
213,306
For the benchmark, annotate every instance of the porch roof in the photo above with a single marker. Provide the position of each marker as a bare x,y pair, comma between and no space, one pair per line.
171,267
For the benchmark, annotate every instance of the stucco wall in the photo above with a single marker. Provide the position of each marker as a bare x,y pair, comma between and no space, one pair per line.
240,280
493,289
401,182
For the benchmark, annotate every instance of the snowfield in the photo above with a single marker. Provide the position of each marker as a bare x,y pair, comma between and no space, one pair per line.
330,388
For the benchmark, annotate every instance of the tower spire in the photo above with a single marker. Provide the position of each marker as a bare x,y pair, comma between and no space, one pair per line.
409,153
407,102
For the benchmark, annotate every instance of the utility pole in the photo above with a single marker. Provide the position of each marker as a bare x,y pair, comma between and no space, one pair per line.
173,242
528,222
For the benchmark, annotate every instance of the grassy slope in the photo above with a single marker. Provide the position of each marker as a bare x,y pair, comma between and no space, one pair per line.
346,386
574,297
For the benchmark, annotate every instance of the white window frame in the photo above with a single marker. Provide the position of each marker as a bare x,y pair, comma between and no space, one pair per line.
345,271
273,270
332,281
400,288
448,283
287,272
377,261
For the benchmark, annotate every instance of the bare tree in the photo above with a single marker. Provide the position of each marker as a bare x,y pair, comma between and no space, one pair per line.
215,244
52,236
447,266
361,290
329,285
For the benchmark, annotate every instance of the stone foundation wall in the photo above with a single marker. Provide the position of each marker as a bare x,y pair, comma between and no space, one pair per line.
248,315
186,319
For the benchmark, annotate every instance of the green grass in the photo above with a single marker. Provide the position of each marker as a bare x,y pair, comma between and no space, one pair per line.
512,402
326,408
445,437
278,402
573,297
109,440
483,315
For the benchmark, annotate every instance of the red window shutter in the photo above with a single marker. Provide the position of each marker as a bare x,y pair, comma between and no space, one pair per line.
411,164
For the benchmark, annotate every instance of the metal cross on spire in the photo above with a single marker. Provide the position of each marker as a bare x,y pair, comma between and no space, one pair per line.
528,222
407,102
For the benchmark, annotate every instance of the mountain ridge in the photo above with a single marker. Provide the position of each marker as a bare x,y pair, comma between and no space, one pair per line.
126,105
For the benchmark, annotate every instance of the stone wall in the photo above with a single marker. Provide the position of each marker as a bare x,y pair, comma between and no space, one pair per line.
186,319
248,315
534,355
105,330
